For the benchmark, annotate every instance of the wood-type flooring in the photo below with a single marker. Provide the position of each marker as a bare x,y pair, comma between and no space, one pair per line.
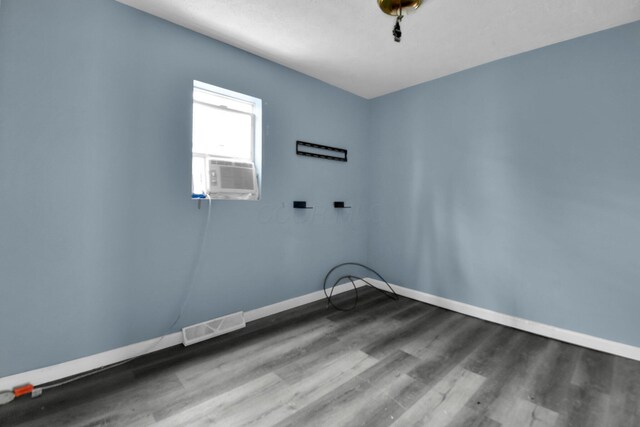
387,363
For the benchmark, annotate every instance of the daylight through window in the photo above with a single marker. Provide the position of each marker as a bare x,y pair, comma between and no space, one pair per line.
226,144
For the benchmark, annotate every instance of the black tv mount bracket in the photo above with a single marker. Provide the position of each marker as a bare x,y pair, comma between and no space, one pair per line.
321,151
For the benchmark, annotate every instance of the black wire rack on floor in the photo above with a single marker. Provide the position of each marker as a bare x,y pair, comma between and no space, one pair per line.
391,294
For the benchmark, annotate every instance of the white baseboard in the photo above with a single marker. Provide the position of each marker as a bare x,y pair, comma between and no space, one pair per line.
577,338
88,363
268,310
95,361
84,364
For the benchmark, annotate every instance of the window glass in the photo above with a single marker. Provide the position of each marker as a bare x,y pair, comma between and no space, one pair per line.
221,132
226,144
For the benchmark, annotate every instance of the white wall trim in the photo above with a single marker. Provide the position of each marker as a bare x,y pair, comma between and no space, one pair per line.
84,364
278,307
88,363
566,335
95,361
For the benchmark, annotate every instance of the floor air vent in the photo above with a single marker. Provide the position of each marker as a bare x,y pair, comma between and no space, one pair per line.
212,328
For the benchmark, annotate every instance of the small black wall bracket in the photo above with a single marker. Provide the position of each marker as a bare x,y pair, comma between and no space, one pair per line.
340,205
321,151
301,205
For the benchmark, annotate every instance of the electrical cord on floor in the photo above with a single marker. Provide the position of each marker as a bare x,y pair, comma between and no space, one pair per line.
188,290
391,294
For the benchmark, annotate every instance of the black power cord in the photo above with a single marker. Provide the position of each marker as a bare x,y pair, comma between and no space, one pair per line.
391,295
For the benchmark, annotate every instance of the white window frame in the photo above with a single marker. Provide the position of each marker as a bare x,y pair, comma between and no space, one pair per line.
256,146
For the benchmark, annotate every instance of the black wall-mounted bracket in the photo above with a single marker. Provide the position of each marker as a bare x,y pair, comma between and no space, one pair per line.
321,151
301,205
340,205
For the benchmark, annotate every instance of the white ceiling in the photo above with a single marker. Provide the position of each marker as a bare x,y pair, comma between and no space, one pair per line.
348,43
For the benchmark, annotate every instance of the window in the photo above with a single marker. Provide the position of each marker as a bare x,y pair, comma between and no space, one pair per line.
226,143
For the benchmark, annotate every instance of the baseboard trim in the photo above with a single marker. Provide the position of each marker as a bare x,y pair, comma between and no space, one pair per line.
278,307
88,363
565,335
95,361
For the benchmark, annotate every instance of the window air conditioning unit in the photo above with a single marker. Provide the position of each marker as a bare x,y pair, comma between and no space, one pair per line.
231,179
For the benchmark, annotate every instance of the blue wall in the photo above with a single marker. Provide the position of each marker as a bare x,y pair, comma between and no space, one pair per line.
515,186
98,233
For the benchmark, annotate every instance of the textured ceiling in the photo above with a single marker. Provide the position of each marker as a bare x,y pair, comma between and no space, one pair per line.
348,43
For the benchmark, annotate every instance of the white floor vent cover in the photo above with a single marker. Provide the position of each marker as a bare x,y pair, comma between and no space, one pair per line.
212,328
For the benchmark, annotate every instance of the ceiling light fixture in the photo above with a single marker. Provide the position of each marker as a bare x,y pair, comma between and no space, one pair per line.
394,8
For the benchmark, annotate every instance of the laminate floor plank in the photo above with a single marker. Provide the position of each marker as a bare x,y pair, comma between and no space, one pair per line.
374,387
75,394
414,308
214,410
525,413
256,334
588,408
208,383
469,417
624,403
386,363
515,384
132,404
429,336
310,363
551,386
369,302
504,370
406,332
594,371
441,403
384,312
450,351
495,352
274,407
257,353
590,388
